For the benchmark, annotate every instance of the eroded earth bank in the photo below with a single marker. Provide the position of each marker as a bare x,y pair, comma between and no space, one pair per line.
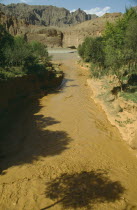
62,153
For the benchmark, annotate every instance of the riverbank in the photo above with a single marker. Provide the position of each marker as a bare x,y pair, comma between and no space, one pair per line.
17,88
121,113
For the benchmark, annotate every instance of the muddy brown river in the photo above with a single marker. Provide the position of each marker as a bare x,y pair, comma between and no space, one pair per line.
65,154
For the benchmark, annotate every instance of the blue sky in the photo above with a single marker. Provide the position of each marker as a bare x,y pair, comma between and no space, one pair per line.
90,6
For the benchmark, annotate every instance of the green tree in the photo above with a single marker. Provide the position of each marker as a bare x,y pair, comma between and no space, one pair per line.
119,42
91,50
6,40
39,49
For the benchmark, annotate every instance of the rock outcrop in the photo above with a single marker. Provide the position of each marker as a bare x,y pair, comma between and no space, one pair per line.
13,25
49,36
46,15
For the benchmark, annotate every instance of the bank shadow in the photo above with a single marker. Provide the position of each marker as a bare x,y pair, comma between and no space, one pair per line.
83,189
27,136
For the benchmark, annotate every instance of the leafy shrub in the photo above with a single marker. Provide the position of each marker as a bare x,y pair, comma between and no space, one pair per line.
18,57
91,50
116,51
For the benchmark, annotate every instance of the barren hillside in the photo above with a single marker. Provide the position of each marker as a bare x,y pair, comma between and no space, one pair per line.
46,15
54,36
75,35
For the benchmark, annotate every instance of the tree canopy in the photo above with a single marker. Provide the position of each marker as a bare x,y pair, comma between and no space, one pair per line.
116,50
18,57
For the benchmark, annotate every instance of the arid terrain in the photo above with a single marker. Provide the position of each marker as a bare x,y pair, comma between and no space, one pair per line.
63,153
63,29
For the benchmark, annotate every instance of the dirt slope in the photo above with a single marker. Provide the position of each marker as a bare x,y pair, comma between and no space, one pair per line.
75,35
62,153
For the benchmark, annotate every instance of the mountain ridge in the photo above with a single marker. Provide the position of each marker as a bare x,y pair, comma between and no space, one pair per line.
46,15
52,35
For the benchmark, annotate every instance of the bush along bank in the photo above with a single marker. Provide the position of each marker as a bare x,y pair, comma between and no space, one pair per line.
19,58
113,67
25,69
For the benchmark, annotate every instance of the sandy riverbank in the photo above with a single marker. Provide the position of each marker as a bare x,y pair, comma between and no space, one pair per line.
120,113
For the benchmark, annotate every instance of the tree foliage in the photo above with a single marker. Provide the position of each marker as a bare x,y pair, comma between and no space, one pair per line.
116,50
17,56
5,40
92,50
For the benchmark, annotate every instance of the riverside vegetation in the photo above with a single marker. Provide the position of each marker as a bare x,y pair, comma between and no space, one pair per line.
115,53
113,63
25,71
18,57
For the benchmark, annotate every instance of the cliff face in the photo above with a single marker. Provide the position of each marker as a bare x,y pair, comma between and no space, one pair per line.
13,25
46,15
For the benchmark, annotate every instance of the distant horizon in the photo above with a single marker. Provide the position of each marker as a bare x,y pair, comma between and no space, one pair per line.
99,8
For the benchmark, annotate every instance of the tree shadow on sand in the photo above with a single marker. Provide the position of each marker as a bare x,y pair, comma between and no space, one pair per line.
24,136
83,189
30,137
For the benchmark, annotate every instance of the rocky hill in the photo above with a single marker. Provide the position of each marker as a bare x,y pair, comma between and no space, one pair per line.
53,36
46,15
74,35
49,36
13,25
